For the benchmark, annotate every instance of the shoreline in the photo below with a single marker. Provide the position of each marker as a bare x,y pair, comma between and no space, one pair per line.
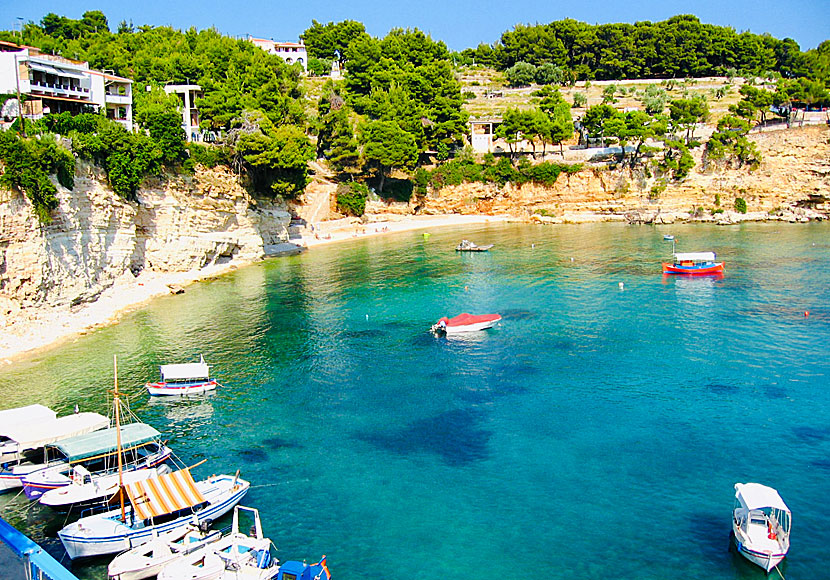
34,330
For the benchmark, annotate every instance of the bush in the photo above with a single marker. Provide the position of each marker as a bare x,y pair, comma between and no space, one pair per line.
208,155
351,198
580,100
521,74
740,205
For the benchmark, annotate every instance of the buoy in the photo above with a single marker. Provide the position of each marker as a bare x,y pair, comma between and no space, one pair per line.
466,288
532,246
572,259
806,313
622,286
367,317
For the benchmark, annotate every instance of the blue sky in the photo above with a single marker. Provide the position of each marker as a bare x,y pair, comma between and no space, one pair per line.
459,23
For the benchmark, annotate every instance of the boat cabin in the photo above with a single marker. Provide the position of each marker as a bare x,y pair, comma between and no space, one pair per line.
694,258
185,373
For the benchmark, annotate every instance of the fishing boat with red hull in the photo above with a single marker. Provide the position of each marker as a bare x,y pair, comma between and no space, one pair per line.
693,263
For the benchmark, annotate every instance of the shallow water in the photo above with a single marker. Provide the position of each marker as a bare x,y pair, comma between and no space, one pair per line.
596,433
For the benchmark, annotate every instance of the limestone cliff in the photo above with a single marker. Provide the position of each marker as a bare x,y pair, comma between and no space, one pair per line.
795,172
96,238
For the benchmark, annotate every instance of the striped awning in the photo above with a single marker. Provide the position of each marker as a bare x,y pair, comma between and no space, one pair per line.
165,494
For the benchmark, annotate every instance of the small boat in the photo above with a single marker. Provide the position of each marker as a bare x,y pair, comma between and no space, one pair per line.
141,448
156,506
465,323
761,524
147,560
668,237
89,492
468,246
238,556
183,379
24,444
694,263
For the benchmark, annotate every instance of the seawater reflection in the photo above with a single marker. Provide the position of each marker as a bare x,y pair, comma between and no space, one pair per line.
594,423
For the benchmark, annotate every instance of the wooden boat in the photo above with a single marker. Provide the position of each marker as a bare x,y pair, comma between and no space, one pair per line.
693,263
468,246
141,448
761,523
24,445
465,323
152,507
147,560
183,379
87,492
241,556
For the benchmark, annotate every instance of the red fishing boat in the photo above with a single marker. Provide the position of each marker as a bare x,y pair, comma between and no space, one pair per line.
694,263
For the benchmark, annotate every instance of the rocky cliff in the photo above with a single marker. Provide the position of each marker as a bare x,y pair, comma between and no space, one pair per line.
794,177
96,238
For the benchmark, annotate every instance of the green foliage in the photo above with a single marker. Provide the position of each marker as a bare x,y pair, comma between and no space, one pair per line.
580,100
27,164
209,155
386,146
550,74
126,157
458,171
159,115
319,67
351,198
730,144
654,99
677,160
65,123
740,205
608,94
521,74
685,114
330,41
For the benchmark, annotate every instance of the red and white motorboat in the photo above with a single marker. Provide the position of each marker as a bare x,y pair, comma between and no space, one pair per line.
183,379
465,323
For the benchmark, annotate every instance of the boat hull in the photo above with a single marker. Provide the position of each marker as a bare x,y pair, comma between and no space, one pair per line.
161,389
716,268
470,327
767,561
105,534
134,566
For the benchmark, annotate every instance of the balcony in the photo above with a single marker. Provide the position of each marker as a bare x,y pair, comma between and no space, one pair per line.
116,99
55,89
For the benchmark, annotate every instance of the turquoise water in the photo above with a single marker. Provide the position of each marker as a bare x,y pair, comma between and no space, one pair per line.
597,433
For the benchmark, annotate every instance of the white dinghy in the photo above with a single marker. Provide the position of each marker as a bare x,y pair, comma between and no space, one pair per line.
761,523
147,561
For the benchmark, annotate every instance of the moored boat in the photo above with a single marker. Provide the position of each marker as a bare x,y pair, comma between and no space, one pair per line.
694,263
468,246
465,323
141,448
183,379
147,560
155,506
761,524
24,443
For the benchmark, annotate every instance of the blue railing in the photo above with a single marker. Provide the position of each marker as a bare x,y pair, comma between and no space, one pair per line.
35,562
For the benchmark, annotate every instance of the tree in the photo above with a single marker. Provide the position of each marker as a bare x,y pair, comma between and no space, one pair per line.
521,74
330,41
602,120
386,146
159,113
687,113
729,143
580,100
608,94
513,123
754,101
559,114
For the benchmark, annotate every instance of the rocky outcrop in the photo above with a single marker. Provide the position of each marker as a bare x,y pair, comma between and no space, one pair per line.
792,183
96,238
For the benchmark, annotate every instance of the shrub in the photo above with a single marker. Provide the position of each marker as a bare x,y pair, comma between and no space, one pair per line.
208,155
740,205
351,198
521,74
580,100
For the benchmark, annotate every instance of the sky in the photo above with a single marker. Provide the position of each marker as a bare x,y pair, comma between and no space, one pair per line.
459,23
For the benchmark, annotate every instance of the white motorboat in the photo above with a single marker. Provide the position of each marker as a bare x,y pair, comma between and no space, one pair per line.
23,443
468,246
465,323
87,490
156,506
183,379
147,560
237,555
761,523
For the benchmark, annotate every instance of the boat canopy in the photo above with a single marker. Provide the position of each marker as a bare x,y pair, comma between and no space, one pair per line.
182,372
757,496
695,257
106,441
36,434
158,496
26,414
465,319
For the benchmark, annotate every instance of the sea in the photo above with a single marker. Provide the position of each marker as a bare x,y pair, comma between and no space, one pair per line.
597,432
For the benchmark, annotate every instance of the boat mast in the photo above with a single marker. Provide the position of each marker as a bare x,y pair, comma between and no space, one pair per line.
117,405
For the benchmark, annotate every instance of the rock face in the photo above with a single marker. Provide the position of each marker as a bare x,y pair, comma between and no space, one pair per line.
795,172
181,224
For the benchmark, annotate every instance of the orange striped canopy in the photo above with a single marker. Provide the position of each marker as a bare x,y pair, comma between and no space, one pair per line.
165,494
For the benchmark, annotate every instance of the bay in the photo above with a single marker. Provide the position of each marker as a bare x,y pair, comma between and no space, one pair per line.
597,432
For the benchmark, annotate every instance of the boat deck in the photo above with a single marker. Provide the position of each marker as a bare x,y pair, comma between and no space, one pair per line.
760,540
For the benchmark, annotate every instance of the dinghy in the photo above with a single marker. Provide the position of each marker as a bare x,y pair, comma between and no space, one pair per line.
761,523
465,323
468,246
147,560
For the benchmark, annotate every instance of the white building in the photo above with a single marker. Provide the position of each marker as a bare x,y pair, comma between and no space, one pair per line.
290,52
53,84
190,114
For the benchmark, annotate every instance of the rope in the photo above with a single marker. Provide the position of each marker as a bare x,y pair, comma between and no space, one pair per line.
779,573
276,484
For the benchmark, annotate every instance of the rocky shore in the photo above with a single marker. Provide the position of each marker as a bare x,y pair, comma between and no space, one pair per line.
102,255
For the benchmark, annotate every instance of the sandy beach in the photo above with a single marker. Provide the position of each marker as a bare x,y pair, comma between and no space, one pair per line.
32,330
